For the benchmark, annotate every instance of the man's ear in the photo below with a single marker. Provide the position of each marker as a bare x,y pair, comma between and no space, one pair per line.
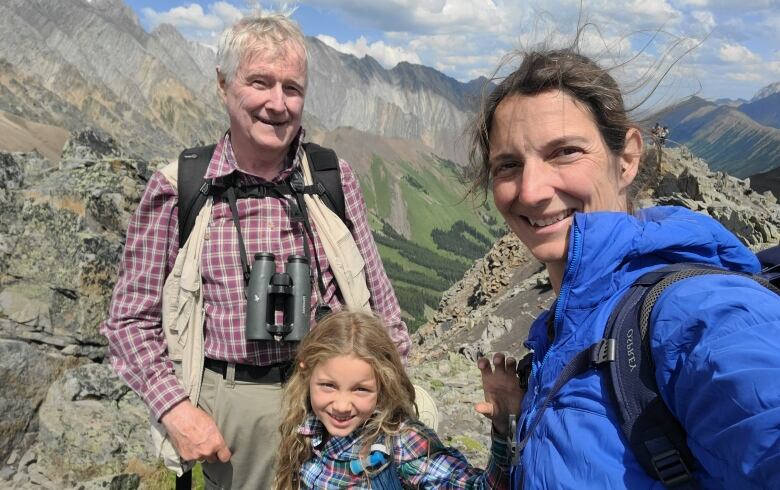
221,86
630,158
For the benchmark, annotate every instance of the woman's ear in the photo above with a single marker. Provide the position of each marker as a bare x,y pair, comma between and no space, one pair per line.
630,158
302,365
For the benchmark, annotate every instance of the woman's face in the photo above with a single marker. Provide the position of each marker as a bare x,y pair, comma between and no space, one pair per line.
549,160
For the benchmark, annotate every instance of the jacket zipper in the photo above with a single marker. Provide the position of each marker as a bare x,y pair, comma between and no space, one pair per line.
558,322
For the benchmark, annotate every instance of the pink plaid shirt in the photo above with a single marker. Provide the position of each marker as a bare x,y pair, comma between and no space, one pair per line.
136,341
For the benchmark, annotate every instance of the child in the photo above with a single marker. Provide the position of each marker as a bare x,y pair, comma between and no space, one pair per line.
349,402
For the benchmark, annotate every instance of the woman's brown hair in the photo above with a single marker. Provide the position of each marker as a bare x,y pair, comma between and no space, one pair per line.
541,71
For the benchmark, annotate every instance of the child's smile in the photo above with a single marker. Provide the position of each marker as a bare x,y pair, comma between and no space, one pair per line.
343,392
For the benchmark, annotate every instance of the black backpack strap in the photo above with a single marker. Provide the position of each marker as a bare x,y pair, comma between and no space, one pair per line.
654,435
590,357
770,264
192,187
325,172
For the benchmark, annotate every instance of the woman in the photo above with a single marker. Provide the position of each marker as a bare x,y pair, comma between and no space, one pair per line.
555,145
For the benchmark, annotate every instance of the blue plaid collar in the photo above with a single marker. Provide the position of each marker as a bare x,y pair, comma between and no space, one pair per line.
340,448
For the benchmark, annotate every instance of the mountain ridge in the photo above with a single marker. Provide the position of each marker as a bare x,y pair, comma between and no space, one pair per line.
155,92
703,126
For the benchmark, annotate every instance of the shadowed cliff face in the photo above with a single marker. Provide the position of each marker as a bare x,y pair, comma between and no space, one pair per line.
766,181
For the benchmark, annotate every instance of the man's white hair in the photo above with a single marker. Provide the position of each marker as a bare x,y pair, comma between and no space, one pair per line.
273,33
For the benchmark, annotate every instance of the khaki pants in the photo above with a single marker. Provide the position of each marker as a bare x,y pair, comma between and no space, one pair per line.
248,415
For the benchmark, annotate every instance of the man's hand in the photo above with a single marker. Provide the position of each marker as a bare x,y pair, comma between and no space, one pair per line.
502,391
194,434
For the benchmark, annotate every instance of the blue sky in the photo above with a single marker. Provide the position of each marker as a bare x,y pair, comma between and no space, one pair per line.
738,40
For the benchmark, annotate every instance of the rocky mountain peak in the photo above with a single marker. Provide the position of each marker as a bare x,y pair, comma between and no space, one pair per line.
90,144
167,31
770,89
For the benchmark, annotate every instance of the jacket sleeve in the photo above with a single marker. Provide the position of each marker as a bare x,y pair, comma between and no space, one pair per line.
136,342
383,300
716,343
425,462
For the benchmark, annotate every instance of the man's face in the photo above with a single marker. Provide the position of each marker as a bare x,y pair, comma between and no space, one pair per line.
265,102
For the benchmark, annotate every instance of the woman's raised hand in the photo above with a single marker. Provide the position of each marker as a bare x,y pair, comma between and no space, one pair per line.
502,391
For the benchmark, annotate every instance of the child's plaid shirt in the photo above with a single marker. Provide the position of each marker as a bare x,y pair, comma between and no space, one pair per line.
420,458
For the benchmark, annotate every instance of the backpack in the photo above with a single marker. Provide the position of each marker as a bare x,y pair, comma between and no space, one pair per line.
194,189
655,437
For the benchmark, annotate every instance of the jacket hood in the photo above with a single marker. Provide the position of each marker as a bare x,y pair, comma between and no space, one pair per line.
616,248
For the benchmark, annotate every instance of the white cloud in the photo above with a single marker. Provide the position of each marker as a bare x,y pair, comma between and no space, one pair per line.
190,16
228,12
745,76
651,11
219,16
742,5
737,53
467,38
421,16
705,19
388,56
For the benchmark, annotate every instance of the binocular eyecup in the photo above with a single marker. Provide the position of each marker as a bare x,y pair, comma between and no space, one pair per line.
270,292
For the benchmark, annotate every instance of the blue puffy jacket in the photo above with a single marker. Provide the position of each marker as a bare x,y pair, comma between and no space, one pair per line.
715,342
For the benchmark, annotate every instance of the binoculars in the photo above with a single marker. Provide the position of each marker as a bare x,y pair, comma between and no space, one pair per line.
270,291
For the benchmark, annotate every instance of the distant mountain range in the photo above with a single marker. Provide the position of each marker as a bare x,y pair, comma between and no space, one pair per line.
728,137
764,111
730,102
766,91
68,63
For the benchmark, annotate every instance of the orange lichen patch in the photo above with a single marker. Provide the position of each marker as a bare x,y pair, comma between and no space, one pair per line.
76,206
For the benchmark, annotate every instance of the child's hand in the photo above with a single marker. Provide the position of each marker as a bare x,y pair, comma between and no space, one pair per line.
502,391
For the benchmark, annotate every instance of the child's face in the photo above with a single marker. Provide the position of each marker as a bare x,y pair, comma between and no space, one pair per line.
343,393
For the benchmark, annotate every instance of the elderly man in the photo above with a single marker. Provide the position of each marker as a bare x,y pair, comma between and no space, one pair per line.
228,417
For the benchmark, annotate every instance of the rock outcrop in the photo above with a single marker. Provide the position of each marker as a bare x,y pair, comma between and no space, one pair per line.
61,235
61,240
